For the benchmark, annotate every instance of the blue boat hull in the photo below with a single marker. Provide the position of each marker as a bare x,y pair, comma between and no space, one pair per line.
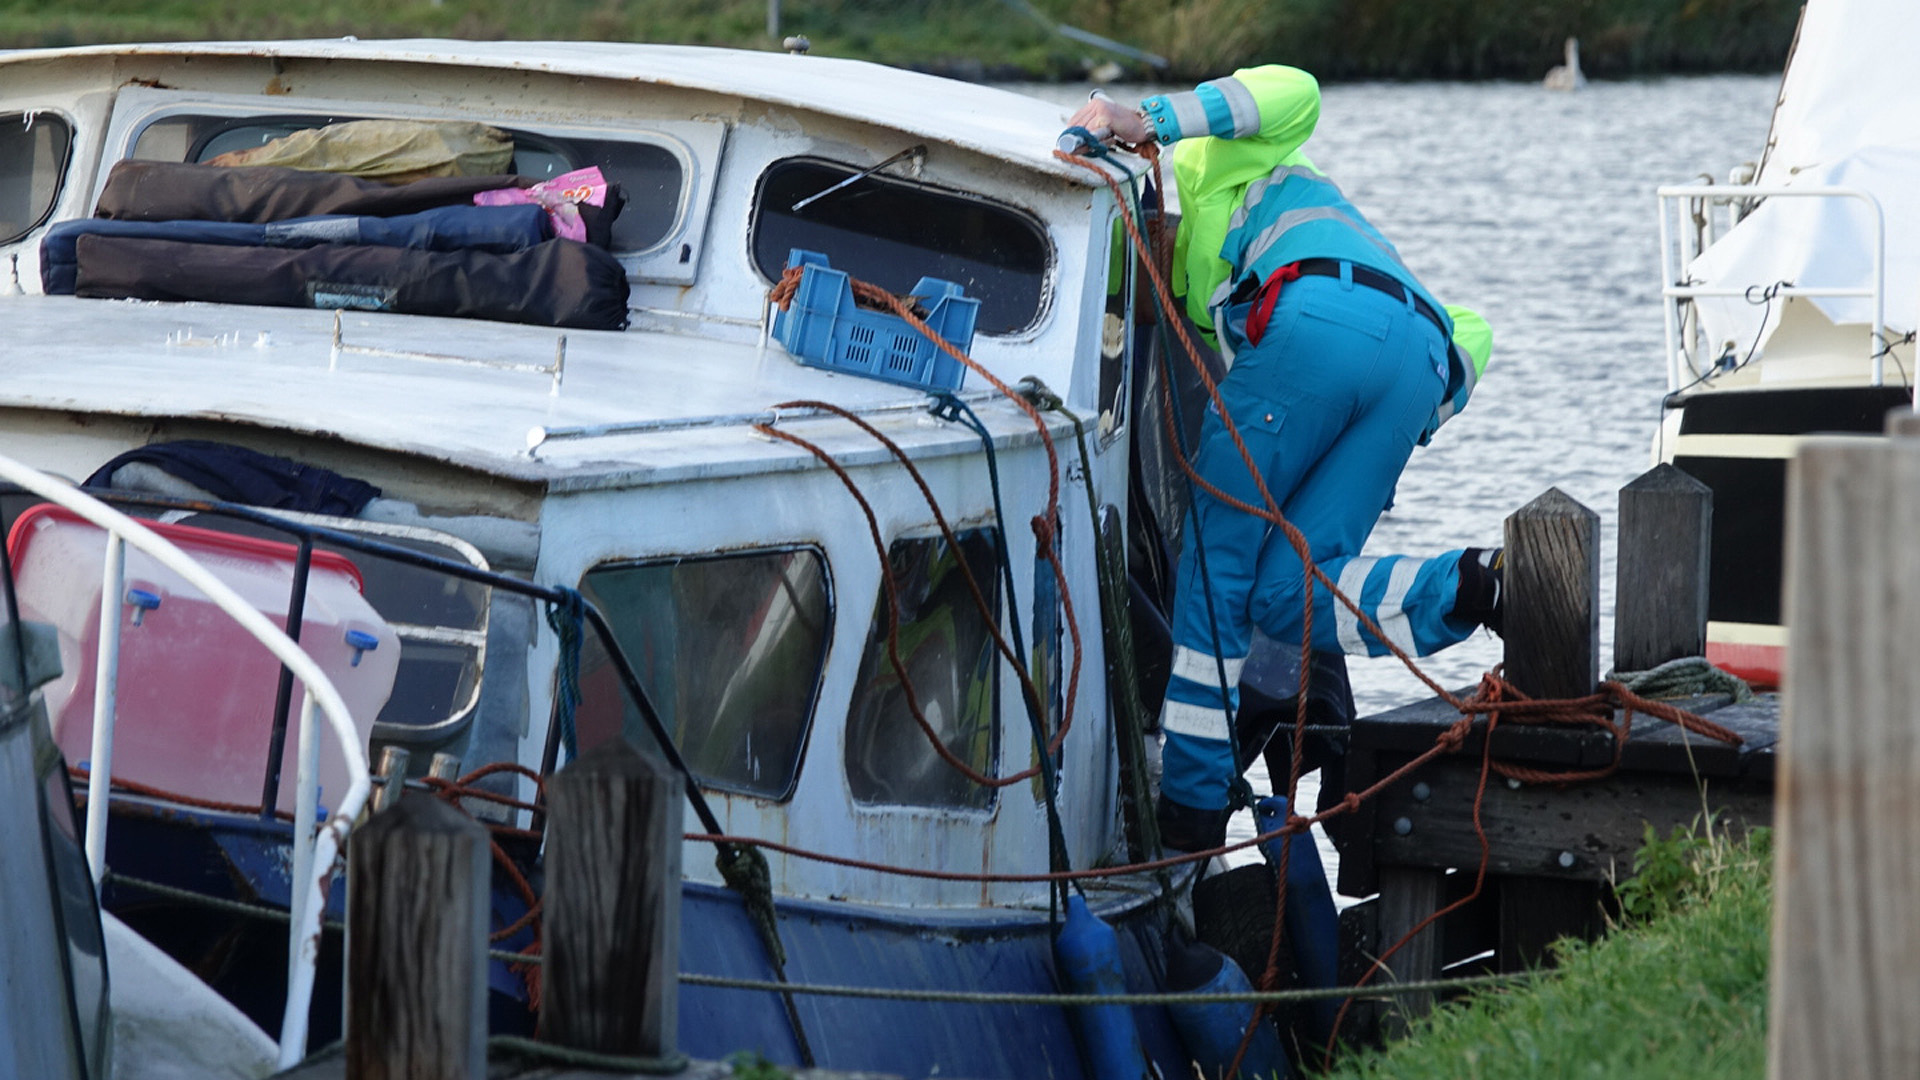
976,950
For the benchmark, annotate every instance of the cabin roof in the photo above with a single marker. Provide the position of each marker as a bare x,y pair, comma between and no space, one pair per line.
997,123
427,392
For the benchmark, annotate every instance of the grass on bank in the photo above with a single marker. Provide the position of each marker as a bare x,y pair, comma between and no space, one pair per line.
1679,990
1335,39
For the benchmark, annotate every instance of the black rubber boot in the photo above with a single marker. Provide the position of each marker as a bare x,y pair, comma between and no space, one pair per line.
1481,597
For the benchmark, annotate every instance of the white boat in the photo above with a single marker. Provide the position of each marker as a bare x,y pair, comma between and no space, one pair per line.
707,493
1792,294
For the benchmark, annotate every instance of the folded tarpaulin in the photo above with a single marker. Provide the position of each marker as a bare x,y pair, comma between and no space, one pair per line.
391,151
498,229
171,191
558,283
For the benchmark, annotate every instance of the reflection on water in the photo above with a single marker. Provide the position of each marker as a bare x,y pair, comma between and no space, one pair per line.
1537,209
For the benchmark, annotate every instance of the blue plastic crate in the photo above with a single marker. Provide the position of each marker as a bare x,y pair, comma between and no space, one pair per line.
824,329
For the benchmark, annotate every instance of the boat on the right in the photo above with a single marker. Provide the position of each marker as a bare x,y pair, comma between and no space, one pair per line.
1790,297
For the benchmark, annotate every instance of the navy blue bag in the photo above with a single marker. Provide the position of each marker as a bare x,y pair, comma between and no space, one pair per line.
496,229
558,283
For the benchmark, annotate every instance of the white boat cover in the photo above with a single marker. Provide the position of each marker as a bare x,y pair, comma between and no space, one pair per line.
1848,116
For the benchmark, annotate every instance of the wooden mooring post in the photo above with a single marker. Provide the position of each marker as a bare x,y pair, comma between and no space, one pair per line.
1660,582
417,909
1552,627
1846,930
611,919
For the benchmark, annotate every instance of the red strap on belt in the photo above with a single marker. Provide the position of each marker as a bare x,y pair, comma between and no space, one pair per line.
1264,300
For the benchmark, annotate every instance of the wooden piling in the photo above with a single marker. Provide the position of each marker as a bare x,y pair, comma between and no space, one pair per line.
1407,896
417,904
1660,609
1552,618
611,919
1846,930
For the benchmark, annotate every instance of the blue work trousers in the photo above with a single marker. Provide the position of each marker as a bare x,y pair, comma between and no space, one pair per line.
1330,404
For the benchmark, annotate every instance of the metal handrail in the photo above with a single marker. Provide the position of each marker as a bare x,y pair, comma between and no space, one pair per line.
1673,291
308,896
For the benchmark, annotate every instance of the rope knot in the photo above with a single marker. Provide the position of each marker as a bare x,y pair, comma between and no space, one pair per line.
1043,531
1452,739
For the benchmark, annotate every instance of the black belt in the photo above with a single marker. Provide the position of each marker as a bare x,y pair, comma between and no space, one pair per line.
1362,275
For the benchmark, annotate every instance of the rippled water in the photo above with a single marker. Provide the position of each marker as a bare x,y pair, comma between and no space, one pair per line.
1537,209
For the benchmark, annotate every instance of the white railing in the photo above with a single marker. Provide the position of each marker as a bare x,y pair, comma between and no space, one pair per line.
1678,249
312,848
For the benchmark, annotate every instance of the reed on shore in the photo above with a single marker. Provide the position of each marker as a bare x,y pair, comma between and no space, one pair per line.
1336,39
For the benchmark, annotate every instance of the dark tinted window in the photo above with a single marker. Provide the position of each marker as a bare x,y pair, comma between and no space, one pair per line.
893,232
649,173
948,652
34,148
728,648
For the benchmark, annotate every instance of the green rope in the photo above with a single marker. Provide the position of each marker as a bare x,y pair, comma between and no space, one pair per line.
567,621
964,997
1123,680
533,1052
1689,676
981,997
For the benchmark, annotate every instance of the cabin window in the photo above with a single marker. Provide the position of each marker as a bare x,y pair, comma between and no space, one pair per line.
651,174
34,149
893,232
947,648
729,649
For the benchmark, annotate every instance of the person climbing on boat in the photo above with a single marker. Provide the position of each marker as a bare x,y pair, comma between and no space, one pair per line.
1340,363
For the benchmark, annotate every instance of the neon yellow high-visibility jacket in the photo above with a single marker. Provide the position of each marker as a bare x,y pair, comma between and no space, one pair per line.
1250,200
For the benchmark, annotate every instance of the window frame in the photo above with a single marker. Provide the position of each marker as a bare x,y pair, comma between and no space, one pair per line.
876,634
696,143
65,168
815,692
1043,300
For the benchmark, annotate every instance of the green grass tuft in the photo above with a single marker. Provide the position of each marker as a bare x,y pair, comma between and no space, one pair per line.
1678,990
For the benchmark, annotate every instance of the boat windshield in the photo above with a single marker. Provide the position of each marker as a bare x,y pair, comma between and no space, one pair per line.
893,232
34,147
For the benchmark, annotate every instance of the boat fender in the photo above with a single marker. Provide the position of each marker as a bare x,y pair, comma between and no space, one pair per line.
1212,1031
1312,922
1087,953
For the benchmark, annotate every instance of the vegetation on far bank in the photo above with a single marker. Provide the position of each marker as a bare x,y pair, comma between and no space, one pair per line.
1678,991
1336,39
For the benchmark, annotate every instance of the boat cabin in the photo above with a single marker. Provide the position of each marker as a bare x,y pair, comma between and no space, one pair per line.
741,573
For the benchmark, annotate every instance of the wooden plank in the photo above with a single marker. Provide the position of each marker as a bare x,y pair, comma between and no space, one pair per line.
1581,832
1406,897
417,887
1413,728
1846,933
612,904
1552,627
1657,746
1660,582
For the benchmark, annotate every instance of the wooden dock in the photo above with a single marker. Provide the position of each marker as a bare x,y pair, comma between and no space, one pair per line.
1552,848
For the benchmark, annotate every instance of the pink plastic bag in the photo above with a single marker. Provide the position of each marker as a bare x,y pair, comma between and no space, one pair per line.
560,196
